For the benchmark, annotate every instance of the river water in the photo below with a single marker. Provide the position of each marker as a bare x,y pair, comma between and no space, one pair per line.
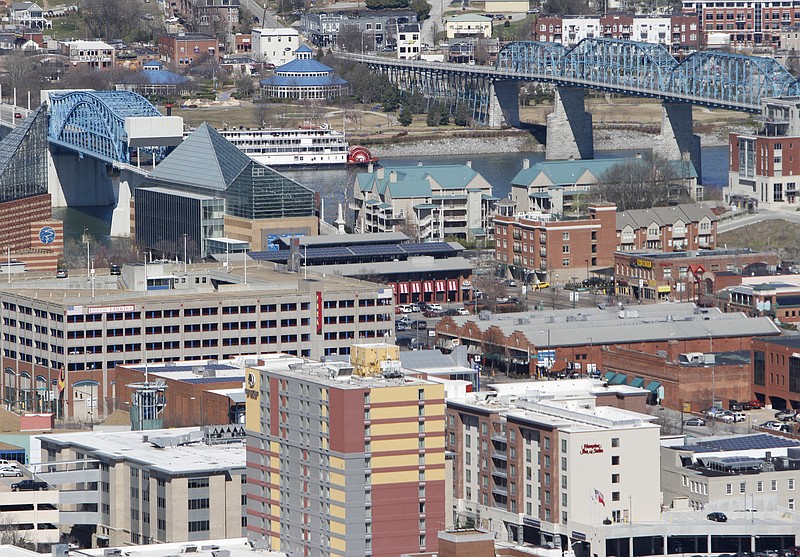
334,183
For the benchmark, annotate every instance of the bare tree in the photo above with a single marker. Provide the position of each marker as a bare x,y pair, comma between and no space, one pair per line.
111,18
492,289
639,184
350,38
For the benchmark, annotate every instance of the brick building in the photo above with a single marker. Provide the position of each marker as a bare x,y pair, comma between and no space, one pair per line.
682,378
573,340
753,23
776,371
765,166
678,33
775,296
684,275
179,50
550,246
197,392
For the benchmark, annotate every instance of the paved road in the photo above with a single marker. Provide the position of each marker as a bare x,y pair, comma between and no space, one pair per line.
266,20
434,20
762,215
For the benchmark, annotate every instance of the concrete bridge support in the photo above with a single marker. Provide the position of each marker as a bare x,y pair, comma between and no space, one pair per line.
123,183
677,137
569,127
504,104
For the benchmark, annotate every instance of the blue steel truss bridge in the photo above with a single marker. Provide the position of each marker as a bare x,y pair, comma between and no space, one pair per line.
710,79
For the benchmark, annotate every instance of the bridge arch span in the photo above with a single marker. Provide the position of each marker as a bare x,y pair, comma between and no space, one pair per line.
93,122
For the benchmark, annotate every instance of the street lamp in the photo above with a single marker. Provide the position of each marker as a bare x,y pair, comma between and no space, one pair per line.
713,383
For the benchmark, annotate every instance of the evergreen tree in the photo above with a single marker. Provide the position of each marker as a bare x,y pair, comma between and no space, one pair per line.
405,117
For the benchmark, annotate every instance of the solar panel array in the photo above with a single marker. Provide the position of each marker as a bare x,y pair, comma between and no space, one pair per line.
743,443
361,253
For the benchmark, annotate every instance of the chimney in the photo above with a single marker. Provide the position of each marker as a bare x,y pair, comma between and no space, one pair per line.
370,168
526,164
380,173
393,177
469,164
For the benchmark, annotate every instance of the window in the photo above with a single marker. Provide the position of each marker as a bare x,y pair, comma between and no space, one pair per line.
565,262
614,478
759,368
728,489
195,504
198,526
774,485
565,236
197,482
565,248
759,486
791,484
615,441
742,487
615,461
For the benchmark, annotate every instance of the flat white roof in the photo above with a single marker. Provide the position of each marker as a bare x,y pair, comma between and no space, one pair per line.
238,547
131,445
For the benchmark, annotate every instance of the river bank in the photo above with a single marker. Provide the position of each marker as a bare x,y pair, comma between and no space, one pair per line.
605,139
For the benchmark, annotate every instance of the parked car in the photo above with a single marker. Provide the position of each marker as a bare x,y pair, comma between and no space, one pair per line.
510,282
695,422
776,426
462,311
405,320
407,342
404,308
502,299
29,485
739,417
114,270
755,405
419,324
717,517
435,307
7,471
400,326
415,308
9,464
785,415
432,313
540,285
714,411
62,273
726,418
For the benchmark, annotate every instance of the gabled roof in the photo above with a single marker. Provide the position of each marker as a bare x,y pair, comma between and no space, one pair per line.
565,172
415,181
205,159
569,172
665,216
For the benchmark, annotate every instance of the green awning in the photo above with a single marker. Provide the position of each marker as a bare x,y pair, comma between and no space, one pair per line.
620,379
610,375
540,195
638,383
653,386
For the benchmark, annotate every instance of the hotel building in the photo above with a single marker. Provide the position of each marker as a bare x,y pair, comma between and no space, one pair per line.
340,464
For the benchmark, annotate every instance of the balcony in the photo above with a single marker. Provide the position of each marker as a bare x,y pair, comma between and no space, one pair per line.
500,490
499,437
499,454
500,473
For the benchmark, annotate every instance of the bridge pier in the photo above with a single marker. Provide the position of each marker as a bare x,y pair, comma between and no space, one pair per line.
504,104
677,137
123,183
569,127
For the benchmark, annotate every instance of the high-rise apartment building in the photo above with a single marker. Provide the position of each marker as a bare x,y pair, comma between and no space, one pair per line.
343,465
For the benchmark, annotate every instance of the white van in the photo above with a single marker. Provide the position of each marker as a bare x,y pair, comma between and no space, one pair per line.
739,417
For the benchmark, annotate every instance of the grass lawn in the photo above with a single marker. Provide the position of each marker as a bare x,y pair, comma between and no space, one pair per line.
768,235
69,27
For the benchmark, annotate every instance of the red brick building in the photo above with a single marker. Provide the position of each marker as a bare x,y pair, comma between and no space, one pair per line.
744,24
550,247
25,227
765,167
198,393
776,371
685,275
682,380
573,340
179,50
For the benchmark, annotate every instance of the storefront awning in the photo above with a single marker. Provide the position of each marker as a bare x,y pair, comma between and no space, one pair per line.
610,375
619,379
638,383
653,386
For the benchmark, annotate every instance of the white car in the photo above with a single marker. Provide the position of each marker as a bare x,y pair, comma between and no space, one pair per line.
9,464
404,308
462,311
7,471
435,307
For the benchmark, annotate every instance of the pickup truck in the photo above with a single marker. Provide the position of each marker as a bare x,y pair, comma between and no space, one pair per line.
30,485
